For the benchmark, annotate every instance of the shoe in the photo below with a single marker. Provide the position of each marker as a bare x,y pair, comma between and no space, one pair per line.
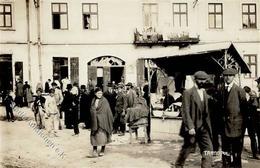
256,157
122,134
76,135
101,154
94,154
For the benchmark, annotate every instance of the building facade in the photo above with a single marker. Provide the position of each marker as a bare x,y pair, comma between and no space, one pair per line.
94,40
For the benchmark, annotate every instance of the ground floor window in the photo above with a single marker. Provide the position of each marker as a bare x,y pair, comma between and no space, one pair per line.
252,63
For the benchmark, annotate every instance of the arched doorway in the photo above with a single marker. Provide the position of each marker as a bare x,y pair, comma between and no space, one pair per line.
106,69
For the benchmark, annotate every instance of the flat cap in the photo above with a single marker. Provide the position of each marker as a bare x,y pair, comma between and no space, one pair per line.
230,71
201,75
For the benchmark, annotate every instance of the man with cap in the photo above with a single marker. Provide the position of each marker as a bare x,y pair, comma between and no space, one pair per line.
232,101
120,108
196,127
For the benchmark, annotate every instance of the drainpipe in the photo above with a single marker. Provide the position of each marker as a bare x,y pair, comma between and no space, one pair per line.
28,39
38,12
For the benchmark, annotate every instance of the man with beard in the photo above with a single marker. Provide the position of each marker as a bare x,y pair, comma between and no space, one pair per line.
196,127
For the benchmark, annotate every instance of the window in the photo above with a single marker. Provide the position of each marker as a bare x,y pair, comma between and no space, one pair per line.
59,16
180,14
251,62
215,16
90,15
249,16
5,15
150,15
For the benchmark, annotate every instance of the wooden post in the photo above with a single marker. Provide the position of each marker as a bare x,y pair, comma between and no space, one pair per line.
149,95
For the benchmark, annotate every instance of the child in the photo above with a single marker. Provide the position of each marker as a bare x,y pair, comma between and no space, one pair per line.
52,112
38,108
8,101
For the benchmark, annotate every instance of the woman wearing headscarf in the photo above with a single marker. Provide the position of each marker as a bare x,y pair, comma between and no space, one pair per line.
101,122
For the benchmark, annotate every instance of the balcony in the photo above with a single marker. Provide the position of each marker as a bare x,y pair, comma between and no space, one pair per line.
149,37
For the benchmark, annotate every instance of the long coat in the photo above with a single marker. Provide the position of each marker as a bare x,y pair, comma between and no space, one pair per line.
121,103
191,109
233,107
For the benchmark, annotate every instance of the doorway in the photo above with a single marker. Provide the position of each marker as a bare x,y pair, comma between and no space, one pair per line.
6,74
116,74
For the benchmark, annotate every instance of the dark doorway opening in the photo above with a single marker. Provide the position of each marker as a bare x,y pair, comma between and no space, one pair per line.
60,68
116,74
6,74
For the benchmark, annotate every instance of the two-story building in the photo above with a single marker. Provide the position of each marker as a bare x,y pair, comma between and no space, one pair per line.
98,40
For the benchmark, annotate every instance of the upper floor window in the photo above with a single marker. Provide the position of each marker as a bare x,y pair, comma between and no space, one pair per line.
180,14
249,16
252,63
215,16
90,15
59,16
150,14
5,15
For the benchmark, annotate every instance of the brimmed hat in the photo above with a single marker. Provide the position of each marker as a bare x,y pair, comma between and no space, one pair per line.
109,84
230,71
129,84
201,75
258,80
120,85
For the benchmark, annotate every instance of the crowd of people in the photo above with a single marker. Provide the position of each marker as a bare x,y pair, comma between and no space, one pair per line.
212,117
65,105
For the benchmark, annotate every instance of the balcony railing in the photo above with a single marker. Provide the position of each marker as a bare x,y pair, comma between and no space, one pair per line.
149,37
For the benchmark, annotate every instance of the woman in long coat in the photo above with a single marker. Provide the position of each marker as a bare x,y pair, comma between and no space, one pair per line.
101,122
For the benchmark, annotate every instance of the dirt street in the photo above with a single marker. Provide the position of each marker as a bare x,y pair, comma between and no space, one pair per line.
23,146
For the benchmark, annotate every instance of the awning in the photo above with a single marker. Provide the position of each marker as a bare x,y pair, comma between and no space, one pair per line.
212,58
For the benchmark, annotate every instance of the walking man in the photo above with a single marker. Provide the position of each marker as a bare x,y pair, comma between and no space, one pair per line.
232,100
196,127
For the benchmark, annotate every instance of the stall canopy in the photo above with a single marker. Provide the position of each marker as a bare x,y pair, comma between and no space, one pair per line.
212,58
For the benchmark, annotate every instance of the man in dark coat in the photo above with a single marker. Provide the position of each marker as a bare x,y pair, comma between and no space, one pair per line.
110,95
168,99
120,109
85,102
196,126
19,94
130,95
251,118
232,101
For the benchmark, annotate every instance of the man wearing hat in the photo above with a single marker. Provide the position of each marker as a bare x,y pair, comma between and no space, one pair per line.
232,101
110,95
130,95
120,108
196,127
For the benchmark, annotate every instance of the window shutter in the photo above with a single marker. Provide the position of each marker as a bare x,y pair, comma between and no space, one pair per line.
140,72
106,77
92,74
74,69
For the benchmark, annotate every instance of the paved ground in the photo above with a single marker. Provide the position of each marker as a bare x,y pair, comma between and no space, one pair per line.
22,146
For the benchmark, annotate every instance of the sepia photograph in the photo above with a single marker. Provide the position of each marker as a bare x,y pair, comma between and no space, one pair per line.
129,83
